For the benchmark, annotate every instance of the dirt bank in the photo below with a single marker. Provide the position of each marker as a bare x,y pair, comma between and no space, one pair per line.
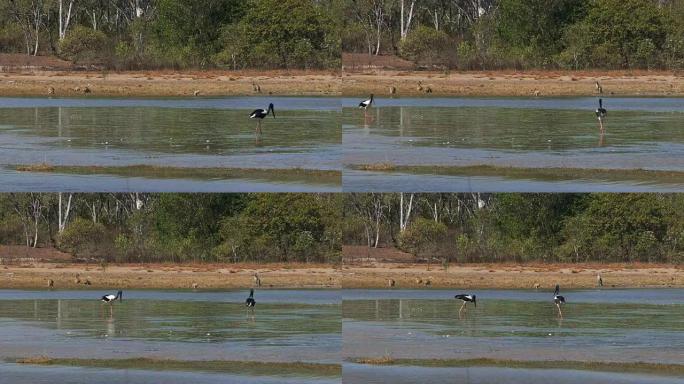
510,276
510,83
168,83
161,276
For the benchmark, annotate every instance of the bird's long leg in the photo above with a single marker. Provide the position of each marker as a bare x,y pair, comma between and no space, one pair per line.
560,313
461,309
601,125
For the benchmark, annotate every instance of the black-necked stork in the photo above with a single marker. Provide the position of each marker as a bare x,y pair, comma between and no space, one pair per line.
466,299
112,298
558,300
250,302
366,103
601,113
260,114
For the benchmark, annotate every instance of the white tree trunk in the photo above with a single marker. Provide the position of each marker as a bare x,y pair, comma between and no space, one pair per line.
64,21
405,24
63,218
404,218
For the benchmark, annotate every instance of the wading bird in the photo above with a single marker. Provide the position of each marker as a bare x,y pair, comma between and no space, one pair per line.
601,114
260,114
250,302
366,103
112,298
466,299
558,300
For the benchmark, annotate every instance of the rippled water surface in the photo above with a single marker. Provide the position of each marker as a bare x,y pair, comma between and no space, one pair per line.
173,132
641,133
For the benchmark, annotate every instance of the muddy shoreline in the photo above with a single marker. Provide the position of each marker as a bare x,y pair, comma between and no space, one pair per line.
352,275
166,276
510,276
215,83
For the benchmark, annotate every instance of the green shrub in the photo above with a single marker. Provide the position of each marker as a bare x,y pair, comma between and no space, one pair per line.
84,45
425,45
83,238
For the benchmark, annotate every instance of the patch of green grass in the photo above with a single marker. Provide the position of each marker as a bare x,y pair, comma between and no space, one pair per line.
255,368
314,176
545,174
636,367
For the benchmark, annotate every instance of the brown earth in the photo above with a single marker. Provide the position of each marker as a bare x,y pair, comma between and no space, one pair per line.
168,83
14,61
510,276
167,276
510,83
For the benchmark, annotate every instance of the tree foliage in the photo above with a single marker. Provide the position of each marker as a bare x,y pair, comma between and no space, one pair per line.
529,227
174,227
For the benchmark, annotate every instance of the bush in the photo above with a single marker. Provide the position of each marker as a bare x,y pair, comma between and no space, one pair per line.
83,238
11,39
425,45
84,45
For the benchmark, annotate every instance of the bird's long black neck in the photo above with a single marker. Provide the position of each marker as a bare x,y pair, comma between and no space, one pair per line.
251,293
600,103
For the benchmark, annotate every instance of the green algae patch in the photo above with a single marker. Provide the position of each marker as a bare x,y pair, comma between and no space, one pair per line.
301,175
296,369
635,367
544,174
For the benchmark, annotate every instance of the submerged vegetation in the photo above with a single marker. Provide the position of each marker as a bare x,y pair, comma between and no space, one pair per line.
546,174
520,227
638,367
140,227
316,176
215,366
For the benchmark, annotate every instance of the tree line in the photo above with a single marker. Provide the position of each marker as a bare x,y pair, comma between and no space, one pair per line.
171,227
520,34
130,34
507,227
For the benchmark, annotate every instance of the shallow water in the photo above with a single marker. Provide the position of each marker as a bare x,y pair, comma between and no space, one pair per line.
287,325
642,133
357,374
607,325
188,133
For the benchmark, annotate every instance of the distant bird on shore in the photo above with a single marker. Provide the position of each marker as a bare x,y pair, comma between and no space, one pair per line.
601,113
112,298
599,280
558,300
260,114
257,280
250,302
466,298
599,88
366,103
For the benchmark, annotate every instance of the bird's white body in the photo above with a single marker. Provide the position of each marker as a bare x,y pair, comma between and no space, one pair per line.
366,103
